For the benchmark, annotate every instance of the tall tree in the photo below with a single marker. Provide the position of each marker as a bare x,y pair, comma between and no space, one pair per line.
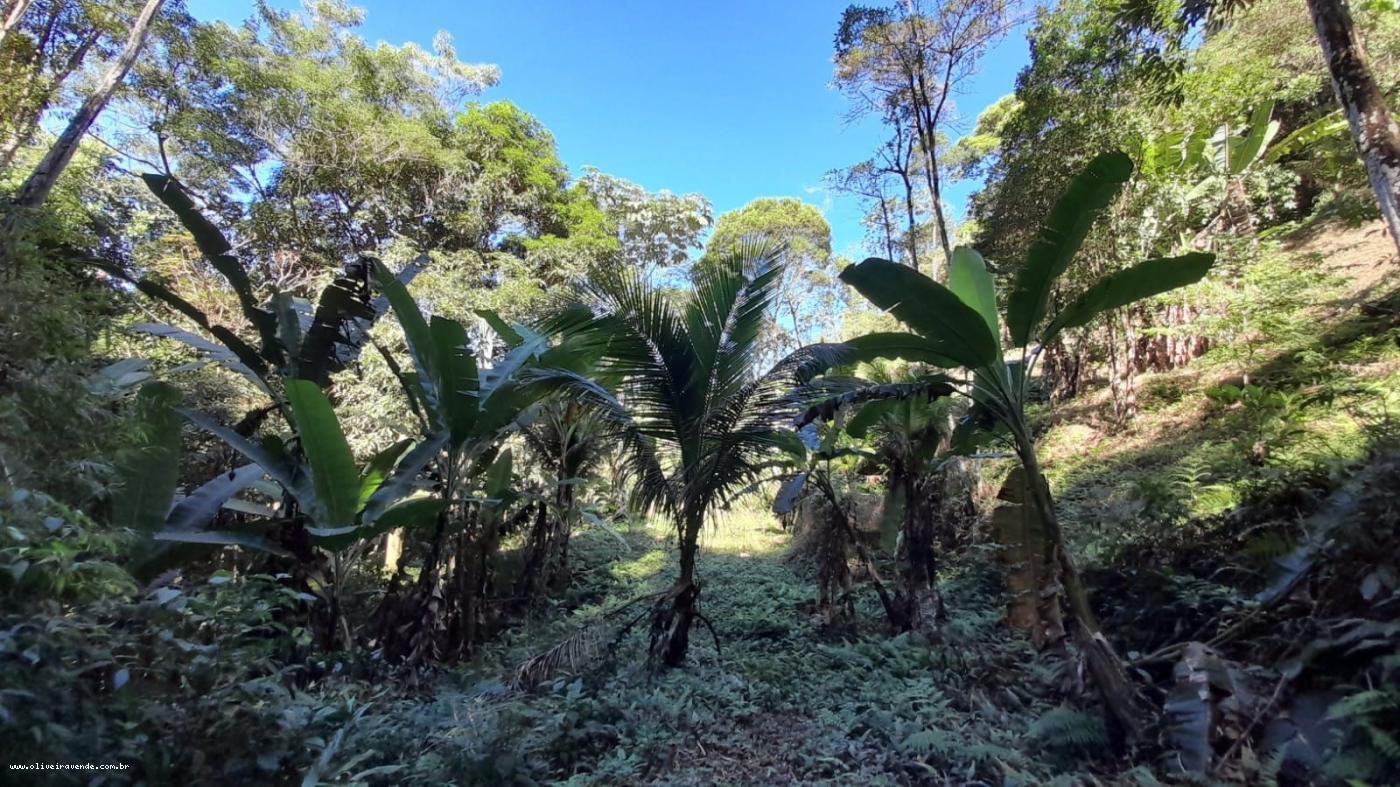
43,45
1373,128
806,295
13,15
913,57
36,189
867,182
656,231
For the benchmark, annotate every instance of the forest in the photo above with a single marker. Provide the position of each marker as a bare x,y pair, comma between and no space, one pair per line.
349,435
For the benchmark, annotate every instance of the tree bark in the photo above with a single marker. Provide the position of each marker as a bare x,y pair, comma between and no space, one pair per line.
675,612
36,189
1372,128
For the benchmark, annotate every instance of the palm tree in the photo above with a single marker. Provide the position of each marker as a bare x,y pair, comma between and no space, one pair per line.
677,372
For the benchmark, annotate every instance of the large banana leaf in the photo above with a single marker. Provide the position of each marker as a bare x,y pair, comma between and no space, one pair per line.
334,475
1059,239
196,509
191,514
1329,125
413,512
217,353
326,348
859,424
1244,151
1133,284
969,280
929,387
224,539
457,378
401,482
954,329
219,252
415,331
507,332
905,346
497,486
786,499
377,469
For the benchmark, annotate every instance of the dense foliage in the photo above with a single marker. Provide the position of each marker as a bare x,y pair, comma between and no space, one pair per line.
348,436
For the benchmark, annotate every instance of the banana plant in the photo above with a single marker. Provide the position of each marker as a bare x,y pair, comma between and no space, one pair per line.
805,462
338,502
958,325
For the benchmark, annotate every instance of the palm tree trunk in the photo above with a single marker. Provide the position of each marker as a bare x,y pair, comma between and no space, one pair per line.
1375,132
675,613
36,189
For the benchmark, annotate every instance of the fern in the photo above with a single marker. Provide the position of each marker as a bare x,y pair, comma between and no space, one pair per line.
1364,703
1066,728
925,742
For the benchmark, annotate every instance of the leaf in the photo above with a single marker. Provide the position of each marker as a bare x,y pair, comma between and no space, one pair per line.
344,307
271,464
505,330
219,252
969,280
415,330
499,475
377,469
1245,151
289,328
227,539
1059,239
457,378
892,517
1187,713
788,493
1329,125
1143,280
150,471
333,471
400,482
905,346
190,514
859,424
931,387
195,510
953,328
497,486
413,512
213,352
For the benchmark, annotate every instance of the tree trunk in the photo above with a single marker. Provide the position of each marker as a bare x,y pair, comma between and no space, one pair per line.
1125,710
36,189
1032,574
675,613
924,606
1372,128
913,234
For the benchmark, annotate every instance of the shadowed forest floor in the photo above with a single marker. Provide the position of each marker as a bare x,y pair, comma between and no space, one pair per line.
783,701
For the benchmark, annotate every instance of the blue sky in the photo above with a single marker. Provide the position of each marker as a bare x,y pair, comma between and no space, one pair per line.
729,99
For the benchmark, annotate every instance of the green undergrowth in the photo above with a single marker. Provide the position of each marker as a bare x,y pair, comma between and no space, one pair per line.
1218,435
781,700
